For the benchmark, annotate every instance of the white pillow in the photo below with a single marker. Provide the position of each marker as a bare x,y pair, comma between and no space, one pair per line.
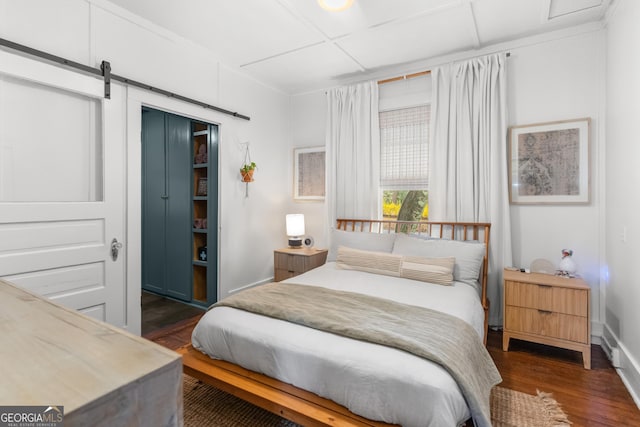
378,242
468,255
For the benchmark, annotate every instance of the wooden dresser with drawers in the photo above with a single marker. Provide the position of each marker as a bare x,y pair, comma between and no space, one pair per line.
547,309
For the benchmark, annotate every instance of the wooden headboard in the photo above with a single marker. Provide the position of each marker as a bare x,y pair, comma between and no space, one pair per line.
478,231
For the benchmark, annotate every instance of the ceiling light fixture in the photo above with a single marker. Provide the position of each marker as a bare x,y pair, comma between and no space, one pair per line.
335,5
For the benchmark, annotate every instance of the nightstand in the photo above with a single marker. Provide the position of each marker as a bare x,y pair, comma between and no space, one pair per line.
549,310
292,262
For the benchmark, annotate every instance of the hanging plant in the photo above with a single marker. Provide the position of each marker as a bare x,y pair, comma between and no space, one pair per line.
248,167
247,171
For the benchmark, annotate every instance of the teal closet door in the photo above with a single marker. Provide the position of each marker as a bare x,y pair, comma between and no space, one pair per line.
166,204
153,201
178,219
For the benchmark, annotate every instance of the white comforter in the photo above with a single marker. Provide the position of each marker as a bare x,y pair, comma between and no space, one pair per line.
371,380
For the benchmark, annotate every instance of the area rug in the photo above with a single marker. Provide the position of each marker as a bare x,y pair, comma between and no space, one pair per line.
206,406
510,408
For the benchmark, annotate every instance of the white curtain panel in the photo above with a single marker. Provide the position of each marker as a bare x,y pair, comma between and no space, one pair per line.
468,157
353,152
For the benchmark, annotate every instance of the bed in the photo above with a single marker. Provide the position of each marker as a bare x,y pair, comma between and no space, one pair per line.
330,375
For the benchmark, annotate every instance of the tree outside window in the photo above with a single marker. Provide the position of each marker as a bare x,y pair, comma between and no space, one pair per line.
405,205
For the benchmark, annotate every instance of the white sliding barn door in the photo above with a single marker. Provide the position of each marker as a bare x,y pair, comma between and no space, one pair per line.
62,186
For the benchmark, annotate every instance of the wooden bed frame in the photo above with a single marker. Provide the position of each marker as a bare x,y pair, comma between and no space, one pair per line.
299,405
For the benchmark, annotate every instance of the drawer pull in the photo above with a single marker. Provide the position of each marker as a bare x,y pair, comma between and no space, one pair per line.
290,271
545,286
544,311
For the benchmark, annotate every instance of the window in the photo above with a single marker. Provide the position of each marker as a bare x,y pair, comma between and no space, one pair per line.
404,163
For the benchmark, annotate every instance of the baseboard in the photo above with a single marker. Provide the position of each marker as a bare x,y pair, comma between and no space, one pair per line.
612,351
627,367
630,374
596,332
250,285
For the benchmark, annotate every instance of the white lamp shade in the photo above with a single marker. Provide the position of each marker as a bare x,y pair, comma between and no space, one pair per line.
295,225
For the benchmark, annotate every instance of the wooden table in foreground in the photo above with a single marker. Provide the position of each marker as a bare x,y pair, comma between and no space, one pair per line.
102,375
549,310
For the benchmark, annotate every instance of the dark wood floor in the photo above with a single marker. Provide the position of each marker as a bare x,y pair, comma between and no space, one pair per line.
595,397
159,312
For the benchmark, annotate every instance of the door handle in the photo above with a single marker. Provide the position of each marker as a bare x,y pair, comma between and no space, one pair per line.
115,248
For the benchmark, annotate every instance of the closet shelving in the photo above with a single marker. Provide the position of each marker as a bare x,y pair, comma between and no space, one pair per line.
201,135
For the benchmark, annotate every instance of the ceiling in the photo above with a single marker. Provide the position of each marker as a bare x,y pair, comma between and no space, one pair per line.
296,47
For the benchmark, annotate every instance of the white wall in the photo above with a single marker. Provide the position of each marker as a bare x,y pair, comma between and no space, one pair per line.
622,316
307,129
553,80
89,31
252,227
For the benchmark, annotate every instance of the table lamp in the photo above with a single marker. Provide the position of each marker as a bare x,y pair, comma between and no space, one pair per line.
295,230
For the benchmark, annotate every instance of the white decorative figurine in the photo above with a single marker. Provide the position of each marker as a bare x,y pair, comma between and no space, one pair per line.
567,266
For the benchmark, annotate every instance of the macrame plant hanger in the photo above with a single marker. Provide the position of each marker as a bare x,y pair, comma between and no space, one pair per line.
247,176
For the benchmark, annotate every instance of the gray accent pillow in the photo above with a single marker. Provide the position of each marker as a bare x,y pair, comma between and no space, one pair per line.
357,240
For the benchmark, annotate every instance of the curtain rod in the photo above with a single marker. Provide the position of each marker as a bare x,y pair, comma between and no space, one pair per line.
412,75
105,72
405,77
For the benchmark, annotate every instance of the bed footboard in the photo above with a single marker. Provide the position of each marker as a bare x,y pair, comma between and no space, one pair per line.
282,399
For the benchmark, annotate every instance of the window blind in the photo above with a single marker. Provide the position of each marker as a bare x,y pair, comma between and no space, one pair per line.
404,148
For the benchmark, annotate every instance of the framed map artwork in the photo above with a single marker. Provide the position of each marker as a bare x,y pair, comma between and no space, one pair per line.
309,173
549,162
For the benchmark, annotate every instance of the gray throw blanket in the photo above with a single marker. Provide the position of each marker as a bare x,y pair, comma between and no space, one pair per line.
430,334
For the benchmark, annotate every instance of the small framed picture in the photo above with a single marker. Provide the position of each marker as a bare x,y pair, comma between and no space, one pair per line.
309,173
202,187
549,162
